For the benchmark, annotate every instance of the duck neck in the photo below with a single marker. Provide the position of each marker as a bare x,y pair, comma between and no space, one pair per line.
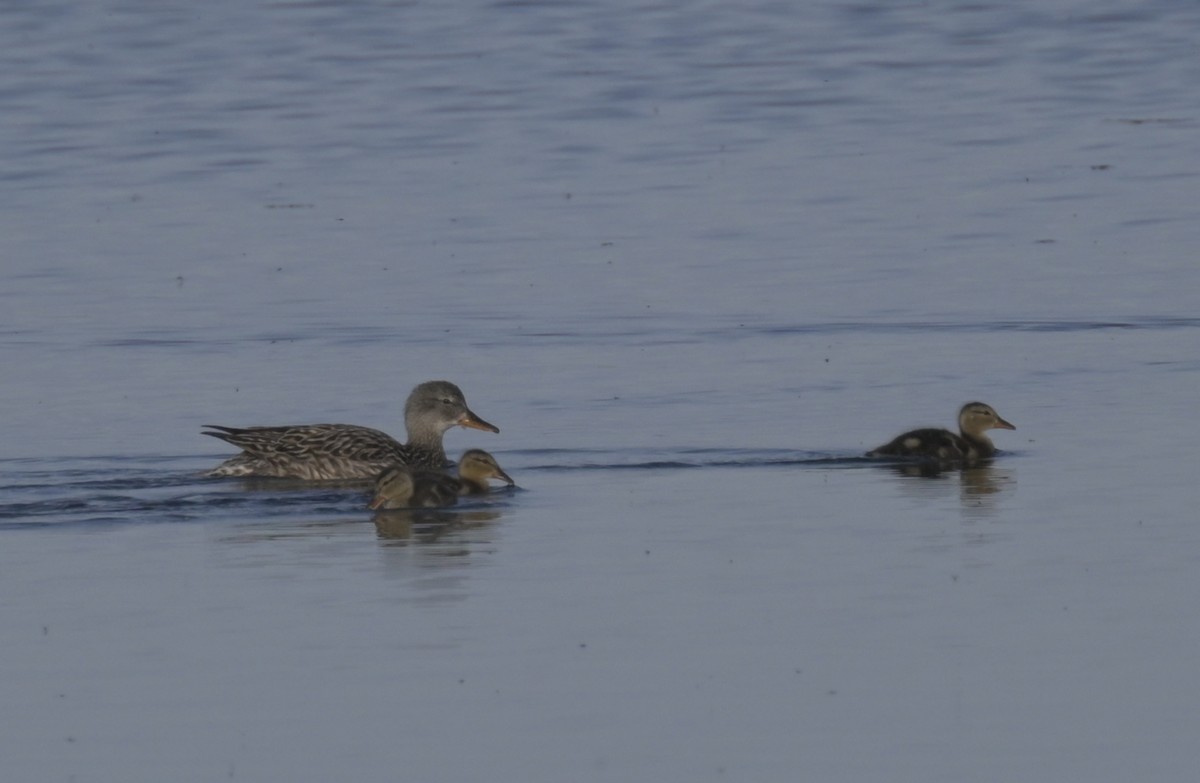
980,442
427,439
472,485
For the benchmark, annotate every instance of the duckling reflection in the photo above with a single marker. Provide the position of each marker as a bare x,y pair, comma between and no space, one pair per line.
427,525
941,447
974,480
978,482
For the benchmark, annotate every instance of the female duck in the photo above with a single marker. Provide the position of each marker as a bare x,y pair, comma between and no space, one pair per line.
968,447
401,487
322,452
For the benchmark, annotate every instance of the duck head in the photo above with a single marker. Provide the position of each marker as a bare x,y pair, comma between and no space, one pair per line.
478,466
436,406
976,418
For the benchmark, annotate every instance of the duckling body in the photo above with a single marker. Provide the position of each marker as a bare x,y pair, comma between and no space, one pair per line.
322,452
402,487
970,445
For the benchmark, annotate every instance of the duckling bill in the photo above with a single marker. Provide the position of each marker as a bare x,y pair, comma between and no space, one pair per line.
323,452
970,445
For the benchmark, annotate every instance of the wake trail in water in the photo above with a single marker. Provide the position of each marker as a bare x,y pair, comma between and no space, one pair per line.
123,490
554,460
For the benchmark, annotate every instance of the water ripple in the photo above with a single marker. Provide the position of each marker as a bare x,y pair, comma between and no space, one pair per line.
100,492
1048,325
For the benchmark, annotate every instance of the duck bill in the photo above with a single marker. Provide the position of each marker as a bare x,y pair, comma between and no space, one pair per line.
1001,424
472,421
507,479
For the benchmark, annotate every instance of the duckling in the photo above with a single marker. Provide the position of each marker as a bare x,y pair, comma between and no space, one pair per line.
323,452
474,470
400,487
936,445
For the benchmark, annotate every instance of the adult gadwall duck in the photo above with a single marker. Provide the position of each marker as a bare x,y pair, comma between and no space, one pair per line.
323,452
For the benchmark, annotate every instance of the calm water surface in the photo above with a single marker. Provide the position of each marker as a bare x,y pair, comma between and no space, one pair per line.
693,261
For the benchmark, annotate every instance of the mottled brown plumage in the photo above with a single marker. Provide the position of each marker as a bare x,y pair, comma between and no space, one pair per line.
322,452
971,445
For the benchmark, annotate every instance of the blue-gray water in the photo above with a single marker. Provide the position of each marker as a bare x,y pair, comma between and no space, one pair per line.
692,260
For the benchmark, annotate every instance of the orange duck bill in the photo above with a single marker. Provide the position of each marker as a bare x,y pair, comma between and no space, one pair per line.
469,419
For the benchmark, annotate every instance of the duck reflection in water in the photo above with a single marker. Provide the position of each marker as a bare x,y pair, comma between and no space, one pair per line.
426,525
974,481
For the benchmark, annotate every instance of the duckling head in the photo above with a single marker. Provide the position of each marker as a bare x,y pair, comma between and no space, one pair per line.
976,418
478,466
393,489
434,407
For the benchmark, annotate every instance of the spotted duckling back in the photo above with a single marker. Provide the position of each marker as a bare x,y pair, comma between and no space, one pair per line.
970,445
